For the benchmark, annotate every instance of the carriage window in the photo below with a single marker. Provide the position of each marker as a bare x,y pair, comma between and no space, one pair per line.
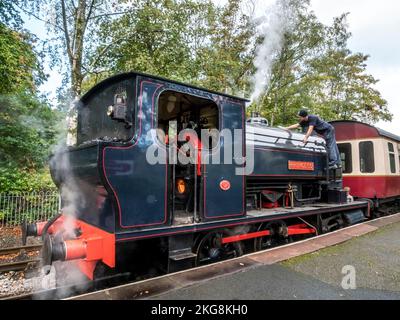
345,156
398,152
367,163
392,158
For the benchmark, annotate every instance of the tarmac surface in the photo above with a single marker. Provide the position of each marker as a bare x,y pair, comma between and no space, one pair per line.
375,257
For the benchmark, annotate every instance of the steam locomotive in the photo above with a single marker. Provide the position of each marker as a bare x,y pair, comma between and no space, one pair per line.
129,206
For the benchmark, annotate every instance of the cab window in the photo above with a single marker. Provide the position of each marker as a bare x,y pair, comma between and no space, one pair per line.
186,112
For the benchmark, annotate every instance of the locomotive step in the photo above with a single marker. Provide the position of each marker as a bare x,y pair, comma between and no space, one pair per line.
182,254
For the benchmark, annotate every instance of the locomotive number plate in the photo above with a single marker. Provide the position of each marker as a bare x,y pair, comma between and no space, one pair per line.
301,165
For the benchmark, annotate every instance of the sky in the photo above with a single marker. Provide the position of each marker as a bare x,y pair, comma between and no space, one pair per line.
375,28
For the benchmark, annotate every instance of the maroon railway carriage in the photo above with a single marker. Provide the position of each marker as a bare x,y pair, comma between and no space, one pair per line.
371,161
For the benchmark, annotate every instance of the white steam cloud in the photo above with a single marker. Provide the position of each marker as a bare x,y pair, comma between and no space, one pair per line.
278,19
60,163
62,274
70,194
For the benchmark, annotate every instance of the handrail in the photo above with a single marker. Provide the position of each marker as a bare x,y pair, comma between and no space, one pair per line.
270,136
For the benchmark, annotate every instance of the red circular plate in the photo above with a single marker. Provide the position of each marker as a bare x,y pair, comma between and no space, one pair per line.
225,185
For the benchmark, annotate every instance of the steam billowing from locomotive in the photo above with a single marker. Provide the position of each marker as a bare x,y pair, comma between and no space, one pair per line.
278,19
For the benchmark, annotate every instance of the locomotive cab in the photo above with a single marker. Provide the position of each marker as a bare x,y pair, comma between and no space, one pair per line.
181,119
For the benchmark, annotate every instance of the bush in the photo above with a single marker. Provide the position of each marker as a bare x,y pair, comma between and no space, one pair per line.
13,179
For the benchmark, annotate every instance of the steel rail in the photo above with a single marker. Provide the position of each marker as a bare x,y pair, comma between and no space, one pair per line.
17,265
10,250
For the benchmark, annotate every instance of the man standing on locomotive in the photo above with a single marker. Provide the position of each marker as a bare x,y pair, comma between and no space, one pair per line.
324,129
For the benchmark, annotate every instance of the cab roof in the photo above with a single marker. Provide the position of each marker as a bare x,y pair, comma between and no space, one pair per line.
126,75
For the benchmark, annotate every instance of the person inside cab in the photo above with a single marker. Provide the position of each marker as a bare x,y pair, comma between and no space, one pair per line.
324,129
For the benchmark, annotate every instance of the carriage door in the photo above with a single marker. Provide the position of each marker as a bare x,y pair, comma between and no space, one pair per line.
223,190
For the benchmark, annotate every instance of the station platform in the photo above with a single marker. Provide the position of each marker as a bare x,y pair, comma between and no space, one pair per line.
309,269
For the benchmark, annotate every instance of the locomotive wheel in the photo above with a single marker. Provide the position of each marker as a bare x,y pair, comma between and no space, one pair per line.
210,249
278,235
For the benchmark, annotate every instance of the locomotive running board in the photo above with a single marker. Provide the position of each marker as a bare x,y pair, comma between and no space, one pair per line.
253,216
163,284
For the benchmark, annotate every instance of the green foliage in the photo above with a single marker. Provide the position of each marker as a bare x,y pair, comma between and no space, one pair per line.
226,62
214,47
18,62
26,129
26,120
156,38
190,41
72,27
316,70
9,14
349,90
15,179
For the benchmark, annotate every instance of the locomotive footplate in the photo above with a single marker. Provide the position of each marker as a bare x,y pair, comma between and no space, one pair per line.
253,216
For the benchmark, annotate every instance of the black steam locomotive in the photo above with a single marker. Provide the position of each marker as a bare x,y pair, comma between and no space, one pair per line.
130,204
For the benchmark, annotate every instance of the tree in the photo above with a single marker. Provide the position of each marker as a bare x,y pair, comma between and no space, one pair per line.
198,42
18,62
346,91
190,41
9,15
26,120
226,62
159,37
316,70
74,25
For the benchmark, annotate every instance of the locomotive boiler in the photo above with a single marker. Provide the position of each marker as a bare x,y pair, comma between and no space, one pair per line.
130,205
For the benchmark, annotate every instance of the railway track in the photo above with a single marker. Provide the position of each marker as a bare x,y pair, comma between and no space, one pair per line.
5,251
64,292
19,265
